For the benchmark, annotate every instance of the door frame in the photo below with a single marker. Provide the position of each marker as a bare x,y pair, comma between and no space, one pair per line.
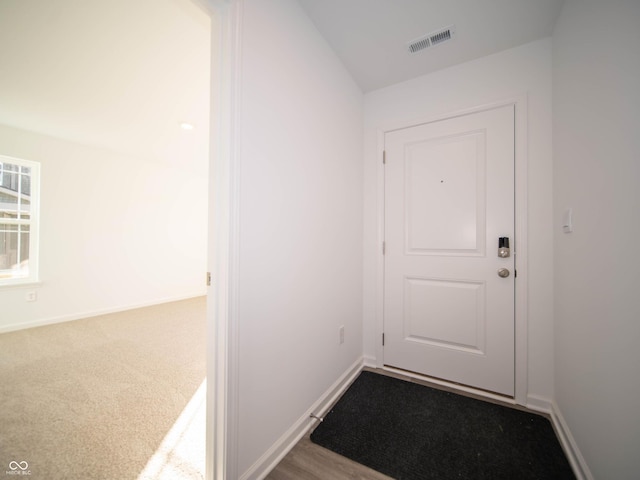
519,248
221,443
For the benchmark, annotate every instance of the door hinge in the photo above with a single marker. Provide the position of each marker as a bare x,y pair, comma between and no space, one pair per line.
208,279
383,339
384,247
384,157
515,273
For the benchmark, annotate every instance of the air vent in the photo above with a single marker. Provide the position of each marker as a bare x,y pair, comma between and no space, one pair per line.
432,39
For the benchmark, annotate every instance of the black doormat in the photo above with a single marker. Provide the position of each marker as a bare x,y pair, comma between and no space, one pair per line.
412,432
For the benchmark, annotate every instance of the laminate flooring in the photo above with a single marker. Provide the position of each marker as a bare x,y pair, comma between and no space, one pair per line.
308,461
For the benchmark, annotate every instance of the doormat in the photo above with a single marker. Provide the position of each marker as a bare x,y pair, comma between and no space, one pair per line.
413,432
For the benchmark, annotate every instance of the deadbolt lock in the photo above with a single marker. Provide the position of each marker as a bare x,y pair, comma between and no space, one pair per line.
503,247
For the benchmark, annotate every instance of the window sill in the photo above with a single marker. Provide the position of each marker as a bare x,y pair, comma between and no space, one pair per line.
20,284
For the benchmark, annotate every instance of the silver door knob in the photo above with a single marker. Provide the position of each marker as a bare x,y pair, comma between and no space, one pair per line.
503,272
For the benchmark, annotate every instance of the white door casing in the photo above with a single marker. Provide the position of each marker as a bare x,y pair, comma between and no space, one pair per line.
449,196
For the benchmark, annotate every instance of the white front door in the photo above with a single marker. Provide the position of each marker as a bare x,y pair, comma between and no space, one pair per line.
449,197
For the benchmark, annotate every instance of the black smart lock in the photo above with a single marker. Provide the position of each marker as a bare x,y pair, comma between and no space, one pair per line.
503,247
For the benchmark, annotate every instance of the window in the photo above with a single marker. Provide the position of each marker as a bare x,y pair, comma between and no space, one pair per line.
19,189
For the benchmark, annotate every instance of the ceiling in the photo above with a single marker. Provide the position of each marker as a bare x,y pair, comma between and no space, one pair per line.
117,74
370,36
122,74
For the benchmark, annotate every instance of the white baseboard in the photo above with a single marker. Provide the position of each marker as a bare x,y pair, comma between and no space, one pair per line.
370,361
539,404
569,445
267,462
93,313
577,461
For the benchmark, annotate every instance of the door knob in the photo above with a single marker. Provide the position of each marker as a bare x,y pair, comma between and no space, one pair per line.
503,272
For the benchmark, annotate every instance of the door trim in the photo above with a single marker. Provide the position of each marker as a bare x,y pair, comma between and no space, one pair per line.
223,254
520,248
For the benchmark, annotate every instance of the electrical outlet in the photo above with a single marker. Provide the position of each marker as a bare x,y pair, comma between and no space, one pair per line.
31,296
341,334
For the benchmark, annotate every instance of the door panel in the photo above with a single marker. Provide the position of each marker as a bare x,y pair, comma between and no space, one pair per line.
445,171
449,196
445,313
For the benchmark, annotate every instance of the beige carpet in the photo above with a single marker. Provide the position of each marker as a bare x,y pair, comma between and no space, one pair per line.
99,398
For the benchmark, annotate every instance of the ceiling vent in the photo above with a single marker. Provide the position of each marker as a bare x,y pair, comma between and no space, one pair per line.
432,39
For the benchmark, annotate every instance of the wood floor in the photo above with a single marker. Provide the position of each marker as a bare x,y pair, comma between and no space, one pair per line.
308,461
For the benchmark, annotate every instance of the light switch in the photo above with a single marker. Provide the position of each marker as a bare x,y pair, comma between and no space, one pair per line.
567,221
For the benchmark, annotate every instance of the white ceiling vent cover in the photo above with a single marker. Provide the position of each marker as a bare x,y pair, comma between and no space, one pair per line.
432,39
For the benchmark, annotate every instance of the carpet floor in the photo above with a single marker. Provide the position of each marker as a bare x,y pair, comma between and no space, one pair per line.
413,432
99,398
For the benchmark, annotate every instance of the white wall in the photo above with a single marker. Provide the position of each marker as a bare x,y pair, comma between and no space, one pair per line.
115,232
300,222
518,71
596,59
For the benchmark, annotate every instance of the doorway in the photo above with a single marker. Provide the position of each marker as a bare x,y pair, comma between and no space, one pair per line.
449,294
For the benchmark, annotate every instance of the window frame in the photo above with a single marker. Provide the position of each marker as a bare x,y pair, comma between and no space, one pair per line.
34,223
